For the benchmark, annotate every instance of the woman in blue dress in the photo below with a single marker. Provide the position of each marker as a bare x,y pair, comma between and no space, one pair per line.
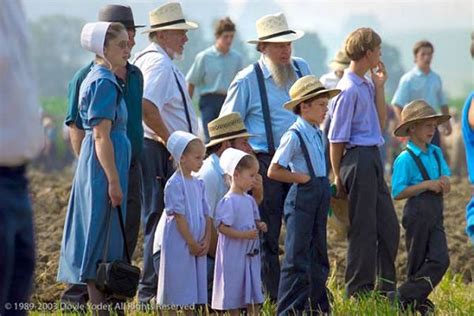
100,182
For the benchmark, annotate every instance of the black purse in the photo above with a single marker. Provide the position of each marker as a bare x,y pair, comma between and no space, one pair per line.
117,278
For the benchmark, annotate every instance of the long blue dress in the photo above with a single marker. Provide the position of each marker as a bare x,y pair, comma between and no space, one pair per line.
84,232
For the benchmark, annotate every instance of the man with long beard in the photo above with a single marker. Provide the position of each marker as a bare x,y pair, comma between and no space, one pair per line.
258,93
167,107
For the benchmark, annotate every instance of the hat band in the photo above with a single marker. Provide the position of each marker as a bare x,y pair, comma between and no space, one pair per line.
168,23
314,91
276,35
228,134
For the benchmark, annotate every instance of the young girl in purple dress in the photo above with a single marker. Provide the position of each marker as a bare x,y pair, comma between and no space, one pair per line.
237,281
182,280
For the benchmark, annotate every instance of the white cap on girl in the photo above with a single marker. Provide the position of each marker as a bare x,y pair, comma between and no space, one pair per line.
93,37
177,143
230,158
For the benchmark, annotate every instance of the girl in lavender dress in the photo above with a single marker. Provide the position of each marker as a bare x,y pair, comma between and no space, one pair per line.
237,281
182,279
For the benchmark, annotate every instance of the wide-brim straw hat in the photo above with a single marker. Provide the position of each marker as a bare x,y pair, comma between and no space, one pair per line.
341,61
226,127
274,29
169,17
415,112
306,88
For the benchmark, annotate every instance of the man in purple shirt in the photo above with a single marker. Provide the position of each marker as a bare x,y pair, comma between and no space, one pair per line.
358,115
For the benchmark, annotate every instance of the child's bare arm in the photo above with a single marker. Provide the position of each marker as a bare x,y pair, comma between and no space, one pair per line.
413,190
233,233
262,226
183,228
206,241
277,172
446,184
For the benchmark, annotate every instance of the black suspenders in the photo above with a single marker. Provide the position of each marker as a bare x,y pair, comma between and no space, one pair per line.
305,153
181,91
420,165
265,107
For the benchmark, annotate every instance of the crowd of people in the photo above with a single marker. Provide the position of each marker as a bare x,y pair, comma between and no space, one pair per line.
212,203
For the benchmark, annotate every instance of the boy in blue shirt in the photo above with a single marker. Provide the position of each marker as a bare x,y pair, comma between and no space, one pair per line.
305,267
421,175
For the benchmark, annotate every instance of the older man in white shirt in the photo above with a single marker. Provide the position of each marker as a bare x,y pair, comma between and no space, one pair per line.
167,107
21,138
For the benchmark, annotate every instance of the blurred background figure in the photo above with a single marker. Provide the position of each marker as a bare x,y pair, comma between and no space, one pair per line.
21,139
212,72
337,65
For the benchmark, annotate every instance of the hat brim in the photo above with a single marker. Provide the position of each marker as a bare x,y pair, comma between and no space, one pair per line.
335,65
280,39
291,104
188,25
402,129
221,140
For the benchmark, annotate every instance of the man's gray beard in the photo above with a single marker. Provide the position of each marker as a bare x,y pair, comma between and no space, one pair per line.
174,55
283,75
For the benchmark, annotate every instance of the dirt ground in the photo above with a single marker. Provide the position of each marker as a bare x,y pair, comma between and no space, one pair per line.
50,195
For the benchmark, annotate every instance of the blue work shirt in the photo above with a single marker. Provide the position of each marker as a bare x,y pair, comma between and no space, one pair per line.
406,172
243,96
415,84
289,153
353,113
132,94
213,71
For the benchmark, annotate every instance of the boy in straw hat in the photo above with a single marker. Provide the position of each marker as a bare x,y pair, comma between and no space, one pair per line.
305,267
257,93
420,174
167,107
358,115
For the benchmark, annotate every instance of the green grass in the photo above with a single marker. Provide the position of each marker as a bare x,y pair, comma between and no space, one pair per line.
452,297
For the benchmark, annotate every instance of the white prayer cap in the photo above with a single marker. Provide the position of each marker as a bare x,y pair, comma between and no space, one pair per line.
177,143
230,158
93,37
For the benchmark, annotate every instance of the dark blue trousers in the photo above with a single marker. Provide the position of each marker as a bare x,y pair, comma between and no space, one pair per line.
271,212
305,267
210,107
157,168
17,245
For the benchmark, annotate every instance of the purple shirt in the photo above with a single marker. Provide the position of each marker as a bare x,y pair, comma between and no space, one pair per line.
353,113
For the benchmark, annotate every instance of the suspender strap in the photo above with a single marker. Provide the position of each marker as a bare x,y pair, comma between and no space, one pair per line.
122,229
185,103
305,153
420,165
181,91
265,109
298,69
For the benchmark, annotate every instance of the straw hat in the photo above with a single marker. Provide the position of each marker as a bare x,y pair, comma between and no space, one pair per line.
226,127
306,88
417,111
169,17
341,61
230,158
177,143
93,37
274,29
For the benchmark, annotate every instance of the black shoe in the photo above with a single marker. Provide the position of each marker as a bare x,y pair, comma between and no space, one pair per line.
426,308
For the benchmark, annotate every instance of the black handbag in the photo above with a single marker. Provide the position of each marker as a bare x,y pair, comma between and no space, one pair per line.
117,278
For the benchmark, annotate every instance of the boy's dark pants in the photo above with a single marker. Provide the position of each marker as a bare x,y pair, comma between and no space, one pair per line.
305,268
271,212
374,232
428,257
